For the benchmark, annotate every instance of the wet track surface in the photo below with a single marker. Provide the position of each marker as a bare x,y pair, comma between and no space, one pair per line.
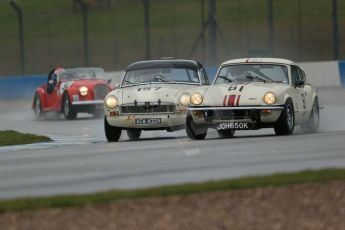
80,160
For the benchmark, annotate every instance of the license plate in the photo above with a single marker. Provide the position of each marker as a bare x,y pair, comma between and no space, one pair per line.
147,121
233,125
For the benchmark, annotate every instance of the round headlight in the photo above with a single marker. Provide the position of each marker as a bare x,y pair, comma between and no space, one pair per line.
185,99
111,102
270,98
196,98
83,90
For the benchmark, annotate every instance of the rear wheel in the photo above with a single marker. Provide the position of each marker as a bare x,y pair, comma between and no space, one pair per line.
68,110
112,133
38,107
312,125
134,134
286,122
195,131
226,133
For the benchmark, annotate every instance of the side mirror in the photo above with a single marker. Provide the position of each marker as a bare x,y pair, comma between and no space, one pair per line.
109,81
299,83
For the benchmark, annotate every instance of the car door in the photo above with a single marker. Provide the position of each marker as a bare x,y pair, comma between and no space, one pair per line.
300,94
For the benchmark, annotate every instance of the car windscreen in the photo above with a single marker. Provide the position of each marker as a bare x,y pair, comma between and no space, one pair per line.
160,75
82,73
252,72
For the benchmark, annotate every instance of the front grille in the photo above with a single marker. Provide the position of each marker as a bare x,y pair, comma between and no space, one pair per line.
100,91
147,108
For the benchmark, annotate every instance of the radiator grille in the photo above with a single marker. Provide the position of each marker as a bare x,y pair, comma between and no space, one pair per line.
100,91
148,108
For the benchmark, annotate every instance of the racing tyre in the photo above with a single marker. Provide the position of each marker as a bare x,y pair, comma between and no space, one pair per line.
226,133
134,134
195,132
67,108
112,133
312,125
286,122
38,107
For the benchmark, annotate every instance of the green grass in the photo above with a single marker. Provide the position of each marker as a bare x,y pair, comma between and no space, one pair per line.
281,179
9,137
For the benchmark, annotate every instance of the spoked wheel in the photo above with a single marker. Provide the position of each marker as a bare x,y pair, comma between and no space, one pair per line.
226,133
312,125
112,133
194,131
68,109
133,134
286,122
38,107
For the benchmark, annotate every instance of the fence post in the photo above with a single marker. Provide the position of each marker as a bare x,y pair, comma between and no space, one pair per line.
270,25
85,31
21,35
147,28
212,33
335,29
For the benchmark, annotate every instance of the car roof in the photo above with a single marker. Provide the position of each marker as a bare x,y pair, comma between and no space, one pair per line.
259,60
165,63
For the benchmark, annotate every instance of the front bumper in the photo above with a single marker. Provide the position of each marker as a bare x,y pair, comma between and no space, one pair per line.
172,121
249,114
90,106
90,102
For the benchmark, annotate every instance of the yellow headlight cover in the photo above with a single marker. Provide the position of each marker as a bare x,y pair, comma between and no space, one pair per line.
270,98
196,98
111,102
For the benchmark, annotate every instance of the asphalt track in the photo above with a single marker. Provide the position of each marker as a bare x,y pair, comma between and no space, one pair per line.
79,160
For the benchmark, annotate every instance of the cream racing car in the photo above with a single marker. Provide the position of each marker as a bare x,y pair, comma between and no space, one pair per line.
151,97
254,93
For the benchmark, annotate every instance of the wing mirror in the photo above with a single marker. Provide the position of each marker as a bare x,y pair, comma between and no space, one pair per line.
299,83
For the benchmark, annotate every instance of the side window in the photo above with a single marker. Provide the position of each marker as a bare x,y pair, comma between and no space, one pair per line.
302,74
294,74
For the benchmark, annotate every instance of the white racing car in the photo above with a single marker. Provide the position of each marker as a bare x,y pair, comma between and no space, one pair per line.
151,97
254,93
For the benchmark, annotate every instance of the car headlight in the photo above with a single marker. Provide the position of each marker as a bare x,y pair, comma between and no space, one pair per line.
111,102
83,90
185,99
196,98
270,98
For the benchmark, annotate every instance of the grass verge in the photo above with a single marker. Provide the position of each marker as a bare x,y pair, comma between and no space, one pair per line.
9,137
281,179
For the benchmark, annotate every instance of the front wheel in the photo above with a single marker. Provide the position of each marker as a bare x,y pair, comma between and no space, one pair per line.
226,133
38,107
286,122
194,131
112,133
68,110
134,134
312,125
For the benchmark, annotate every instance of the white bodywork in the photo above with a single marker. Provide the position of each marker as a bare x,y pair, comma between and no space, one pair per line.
249,97
154,101
168,94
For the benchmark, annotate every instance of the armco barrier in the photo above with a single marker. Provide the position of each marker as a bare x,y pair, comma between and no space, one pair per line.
20,87
341,65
